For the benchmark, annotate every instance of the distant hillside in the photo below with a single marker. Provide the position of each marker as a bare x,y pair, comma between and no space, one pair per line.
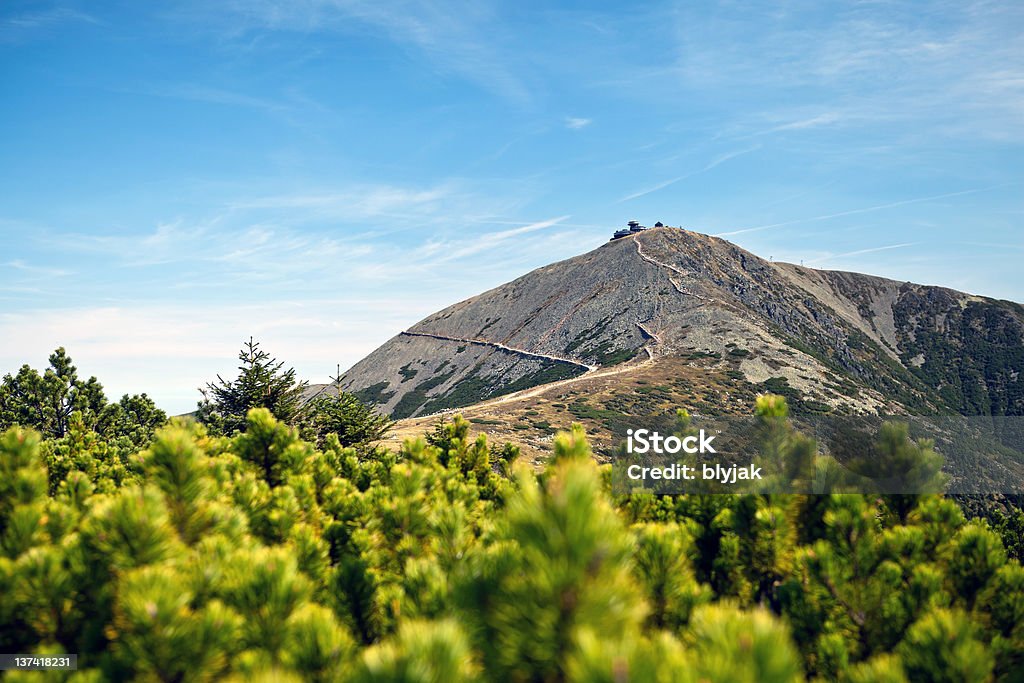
670,318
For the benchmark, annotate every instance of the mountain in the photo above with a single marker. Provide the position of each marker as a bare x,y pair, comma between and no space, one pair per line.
668,318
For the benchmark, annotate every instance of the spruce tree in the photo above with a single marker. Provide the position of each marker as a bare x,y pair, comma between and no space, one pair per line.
262,382
335,411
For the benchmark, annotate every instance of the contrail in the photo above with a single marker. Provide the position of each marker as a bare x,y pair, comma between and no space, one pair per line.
710,165
659,186
851,212
872,250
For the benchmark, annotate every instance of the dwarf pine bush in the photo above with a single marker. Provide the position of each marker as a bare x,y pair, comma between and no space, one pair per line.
262,557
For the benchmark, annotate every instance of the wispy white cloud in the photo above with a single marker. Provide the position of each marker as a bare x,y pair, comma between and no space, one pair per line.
309,243
201,93
216,253
433,254
956,71
359,201
33,270
29,21
463,38
1001,246
563,224
575,123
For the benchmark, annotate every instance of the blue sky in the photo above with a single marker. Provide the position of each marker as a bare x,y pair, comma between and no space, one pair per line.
323,173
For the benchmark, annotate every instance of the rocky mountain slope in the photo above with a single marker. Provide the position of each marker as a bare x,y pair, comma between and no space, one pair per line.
667,306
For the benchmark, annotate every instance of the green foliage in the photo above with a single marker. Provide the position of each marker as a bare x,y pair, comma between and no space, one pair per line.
104,461
342,414
559,563
903,465
262,382
260,556
375,394
663,559
1009,524
272,446
969,354
730,645
421,652
57,401
22,481
46,401
786,455
942,646
881,669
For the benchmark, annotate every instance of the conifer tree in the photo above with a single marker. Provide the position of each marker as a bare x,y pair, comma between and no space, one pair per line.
135,418
262,382
342,414
47,401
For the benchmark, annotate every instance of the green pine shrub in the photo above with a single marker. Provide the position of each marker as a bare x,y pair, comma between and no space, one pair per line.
260,556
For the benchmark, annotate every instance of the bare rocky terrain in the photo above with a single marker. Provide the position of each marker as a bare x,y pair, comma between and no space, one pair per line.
671,318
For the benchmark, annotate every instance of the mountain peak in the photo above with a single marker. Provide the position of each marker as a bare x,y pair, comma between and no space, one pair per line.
666,296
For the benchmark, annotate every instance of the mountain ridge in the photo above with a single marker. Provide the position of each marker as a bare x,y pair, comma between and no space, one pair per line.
836,340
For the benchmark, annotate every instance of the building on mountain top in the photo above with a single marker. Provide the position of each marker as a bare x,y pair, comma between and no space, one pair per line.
632,227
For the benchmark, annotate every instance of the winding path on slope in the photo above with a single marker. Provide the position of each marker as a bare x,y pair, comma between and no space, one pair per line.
593,372
650,259
655,337
503,347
